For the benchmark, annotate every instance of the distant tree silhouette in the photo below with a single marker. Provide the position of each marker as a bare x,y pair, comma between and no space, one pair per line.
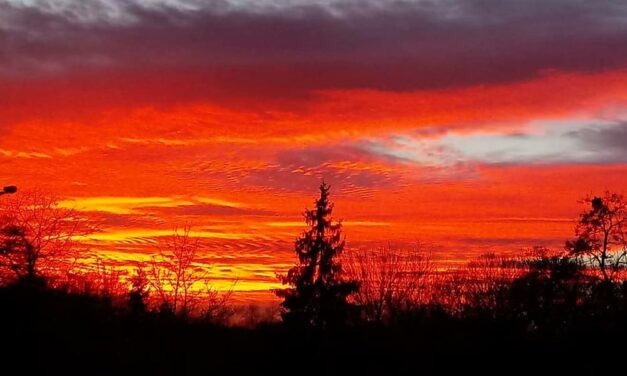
485,276
138,293
473,289
392,280
102,279
601,234
253,315
215,307
37,236
318,296
548,295
180,282
173,273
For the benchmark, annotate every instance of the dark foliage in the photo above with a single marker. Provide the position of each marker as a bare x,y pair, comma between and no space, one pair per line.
137,295
53,331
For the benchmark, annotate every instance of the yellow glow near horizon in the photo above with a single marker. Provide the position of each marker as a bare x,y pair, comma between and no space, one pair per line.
129,205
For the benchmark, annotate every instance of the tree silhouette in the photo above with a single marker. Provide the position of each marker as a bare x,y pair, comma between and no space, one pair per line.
138,293
39,237
392,280
173,273
548,295
180,281
601,234
318,296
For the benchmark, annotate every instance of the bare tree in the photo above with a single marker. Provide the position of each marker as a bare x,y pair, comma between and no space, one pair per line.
392,280
103,279
181,284
601,234
485,276
173,273
449,291
215,307
37,236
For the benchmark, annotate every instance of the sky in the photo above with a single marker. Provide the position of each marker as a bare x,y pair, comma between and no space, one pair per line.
468,126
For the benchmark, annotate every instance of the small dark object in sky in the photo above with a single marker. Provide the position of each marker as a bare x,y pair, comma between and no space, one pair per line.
9,189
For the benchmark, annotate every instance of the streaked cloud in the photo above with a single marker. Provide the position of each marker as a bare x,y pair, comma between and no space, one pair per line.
23,154
130,205
149,234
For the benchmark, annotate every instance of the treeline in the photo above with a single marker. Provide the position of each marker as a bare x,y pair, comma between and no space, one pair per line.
339,306
43,245
46,246
541,289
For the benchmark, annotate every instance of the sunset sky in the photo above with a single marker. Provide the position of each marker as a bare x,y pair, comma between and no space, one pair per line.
468,125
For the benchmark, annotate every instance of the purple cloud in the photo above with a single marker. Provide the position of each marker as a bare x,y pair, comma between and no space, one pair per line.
228,49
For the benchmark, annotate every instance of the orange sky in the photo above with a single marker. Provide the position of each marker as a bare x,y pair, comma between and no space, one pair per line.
232,133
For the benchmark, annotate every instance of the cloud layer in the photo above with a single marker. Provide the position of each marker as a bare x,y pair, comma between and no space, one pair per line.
222,48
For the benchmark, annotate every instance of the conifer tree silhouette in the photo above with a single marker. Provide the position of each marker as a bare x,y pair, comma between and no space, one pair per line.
318,293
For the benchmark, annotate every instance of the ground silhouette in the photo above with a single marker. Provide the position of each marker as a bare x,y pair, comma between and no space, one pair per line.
541,311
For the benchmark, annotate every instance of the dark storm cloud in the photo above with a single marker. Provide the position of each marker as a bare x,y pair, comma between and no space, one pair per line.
218,46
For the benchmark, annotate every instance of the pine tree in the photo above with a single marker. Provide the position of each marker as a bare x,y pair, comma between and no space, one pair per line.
318,293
